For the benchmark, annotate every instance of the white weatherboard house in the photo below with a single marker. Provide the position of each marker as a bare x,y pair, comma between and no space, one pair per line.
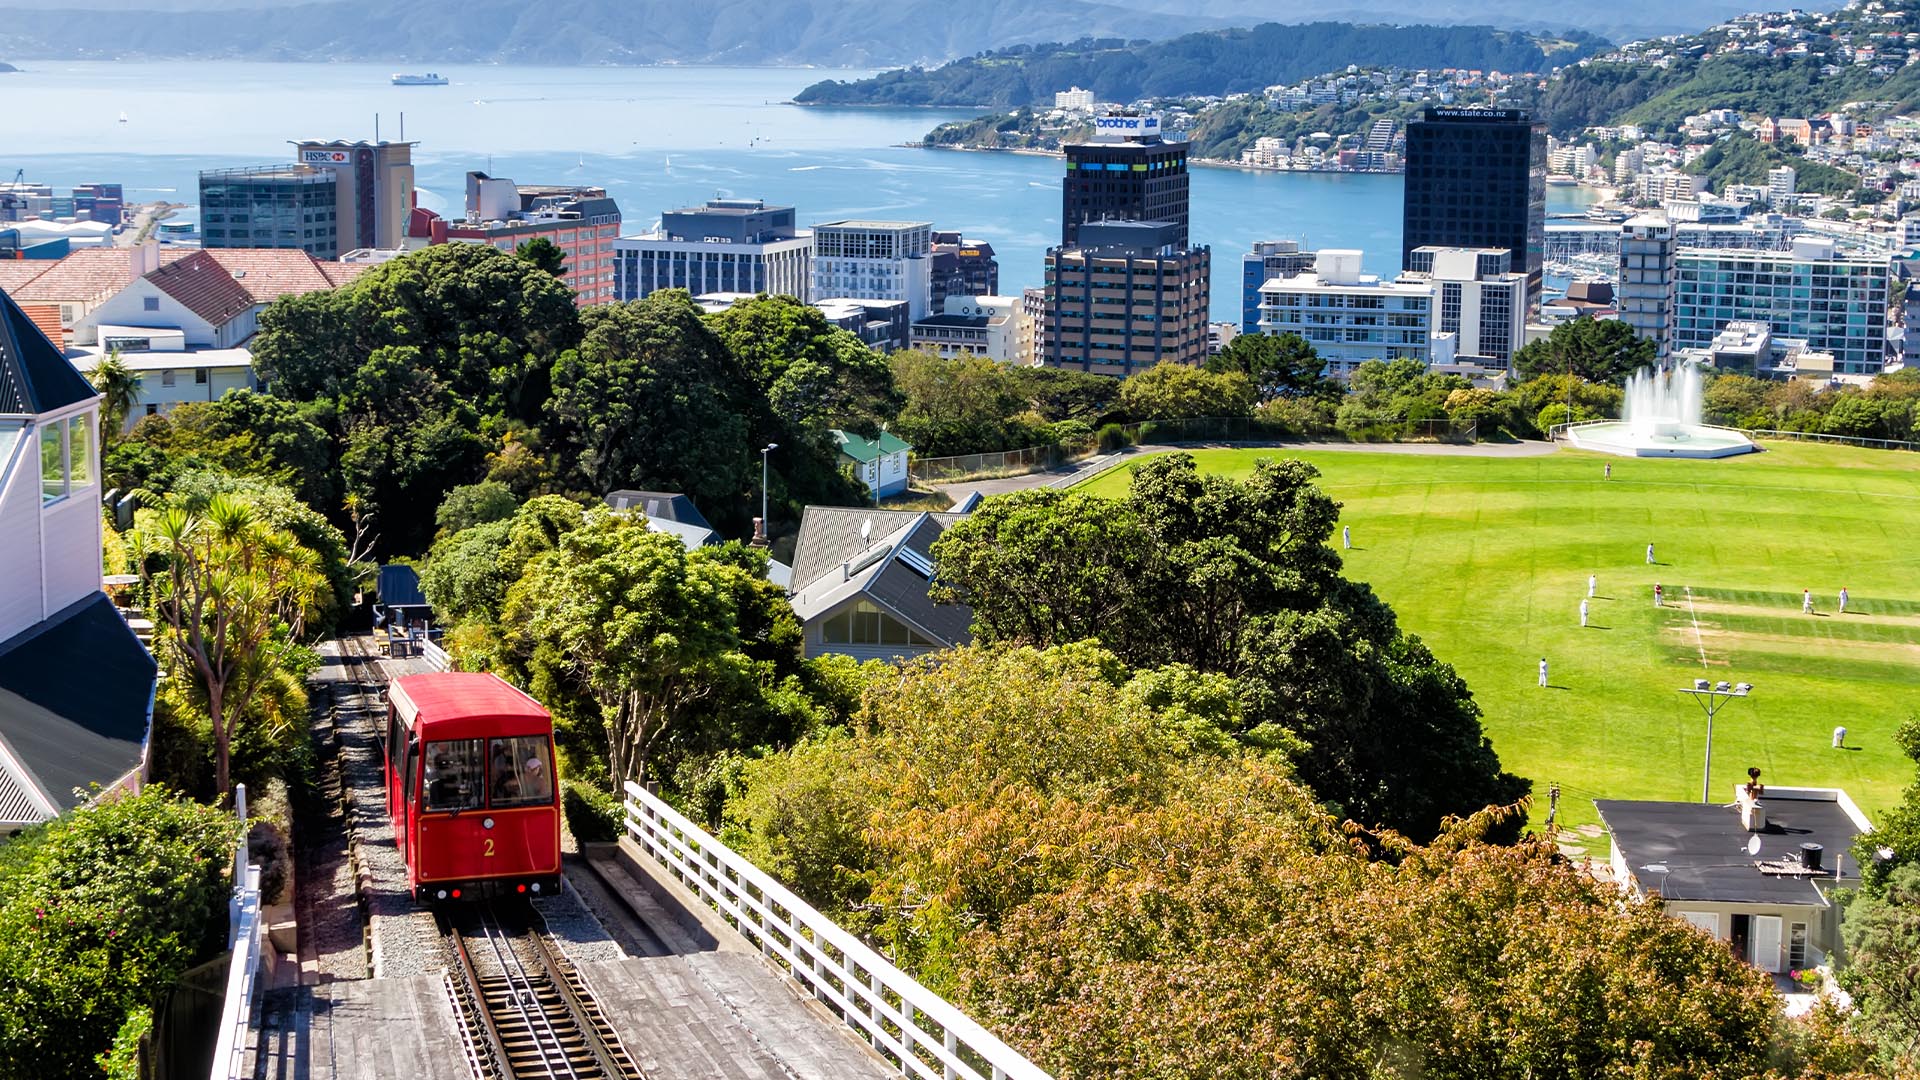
880,463
1758,874
76,686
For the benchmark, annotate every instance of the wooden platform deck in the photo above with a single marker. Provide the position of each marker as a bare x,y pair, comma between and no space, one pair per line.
370,1029
713,1007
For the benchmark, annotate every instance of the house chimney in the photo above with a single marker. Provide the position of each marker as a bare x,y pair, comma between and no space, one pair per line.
1810,856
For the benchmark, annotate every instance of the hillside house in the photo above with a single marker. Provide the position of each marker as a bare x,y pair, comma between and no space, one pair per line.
76,686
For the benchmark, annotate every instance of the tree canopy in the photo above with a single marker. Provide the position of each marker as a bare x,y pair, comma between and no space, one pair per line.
1597,350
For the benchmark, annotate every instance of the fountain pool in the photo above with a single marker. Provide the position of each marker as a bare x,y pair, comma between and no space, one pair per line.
1662,419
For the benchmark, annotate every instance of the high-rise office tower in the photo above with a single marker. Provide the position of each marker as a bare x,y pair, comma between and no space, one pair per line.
1477,178
1647,280
273,206
1127,173
373,187
1130,296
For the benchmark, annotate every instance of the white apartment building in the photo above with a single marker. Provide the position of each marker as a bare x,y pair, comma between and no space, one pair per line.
1074,98
1350,317
986,326
1478,299
876,260
1661,187
1780,184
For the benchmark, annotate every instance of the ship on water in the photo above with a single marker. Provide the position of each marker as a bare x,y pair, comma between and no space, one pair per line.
431,78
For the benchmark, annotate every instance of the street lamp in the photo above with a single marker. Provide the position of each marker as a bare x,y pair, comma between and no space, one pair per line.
765,532
1712,696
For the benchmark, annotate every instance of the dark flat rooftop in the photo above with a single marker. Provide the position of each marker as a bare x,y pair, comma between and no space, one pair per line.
1704,847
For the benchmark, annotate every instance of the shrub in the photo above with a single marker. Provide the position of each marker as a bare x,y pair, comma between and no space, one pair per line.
1113,437
593,815
122,1060
100,912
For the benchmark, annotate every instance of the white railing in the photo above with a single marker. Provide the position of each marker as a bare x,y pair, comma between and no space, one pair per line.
908,1024
435,656
244,928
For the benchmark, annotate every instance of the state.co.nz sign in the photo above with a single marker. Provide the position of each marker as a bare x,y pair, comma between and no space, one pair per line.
323,157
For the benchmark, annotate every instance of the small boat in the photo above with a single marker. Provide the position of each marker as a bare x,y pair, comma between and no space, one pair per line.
123,118
431,78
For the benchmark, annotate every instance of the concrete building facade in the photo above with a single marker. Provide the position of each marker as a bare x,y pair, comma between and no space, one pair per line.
875,260
725,246
273,206
1351,317
1477,299
1269,259
373,189
1133,296
1647,280
581,221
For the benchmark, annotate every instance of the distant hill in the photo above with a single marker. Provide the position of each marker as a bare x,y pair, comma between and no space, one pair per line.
839,33
1212,62
1618,20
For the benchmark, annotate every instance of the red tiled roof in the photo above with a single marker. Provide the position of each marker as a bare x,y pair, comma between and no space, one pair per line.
15,273
270,273
205,287
87,275
47,318
340,273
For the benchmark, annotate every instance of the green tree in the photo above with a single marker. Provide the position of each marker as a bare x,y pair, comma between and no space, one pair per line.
652,399
468,572
813,374
1597,350
475,504
1881,928
1870,416
545,254
119,386
233,595
1899,829
647,628
1171,391
1235,577
1277,363
957,406
1058,394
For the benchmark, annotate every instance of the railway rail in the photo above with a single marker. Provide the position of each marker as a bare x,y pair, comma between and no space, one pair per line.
525,1010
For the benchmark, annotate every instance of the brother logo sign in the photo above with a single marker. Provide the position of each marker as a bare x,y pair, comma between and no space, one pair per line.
1126,125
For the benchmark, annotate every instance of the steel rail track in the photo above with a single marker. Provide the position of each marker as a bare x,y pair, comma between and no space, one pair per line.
525,1009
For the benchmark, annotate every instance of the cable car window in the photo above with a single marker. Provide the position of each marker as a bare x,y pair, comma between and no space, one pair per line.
454,774
520,771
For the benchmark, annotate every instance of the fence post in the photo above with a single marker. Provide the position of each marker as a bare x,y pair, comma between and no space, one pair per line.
239,865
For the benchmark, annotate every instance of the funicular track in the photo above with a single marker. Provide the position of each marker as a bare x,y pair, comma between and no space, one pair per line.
525,1011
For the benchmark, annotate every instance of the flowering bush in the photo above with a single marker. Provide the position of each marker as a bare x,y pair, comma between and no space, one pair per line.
101,911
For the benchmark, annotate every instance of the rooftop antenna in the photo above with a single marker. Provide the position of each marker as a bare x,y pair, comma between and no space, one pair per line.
403,127
376,129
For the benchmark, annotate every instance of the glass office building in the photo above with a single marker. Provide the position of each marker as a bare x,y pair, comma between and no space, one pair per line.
1477,178
1836,303
273,206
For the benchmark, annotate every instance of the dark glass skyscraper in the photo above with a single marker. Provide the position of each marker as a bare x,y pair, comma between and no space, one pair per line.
1477,178
1126,174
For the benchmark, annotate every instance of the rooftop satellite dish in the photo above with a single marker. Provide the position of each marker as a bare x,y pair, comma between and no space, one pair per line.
866,530
1753,844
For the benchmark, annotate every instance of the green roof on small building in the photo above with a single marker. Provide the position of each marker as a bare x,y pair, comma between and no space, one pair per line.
862,449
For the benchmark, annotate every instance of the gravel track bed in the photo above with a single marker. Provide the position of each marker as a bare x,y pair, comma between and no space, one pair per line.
405,940
575,928
332,931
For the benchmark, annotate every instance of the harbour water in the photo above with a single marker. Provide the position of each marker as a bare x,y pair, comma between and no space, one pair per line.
654,137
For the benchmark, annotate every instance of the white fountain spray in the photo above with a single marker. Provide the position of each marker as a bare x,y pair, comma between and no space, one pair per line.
1663,404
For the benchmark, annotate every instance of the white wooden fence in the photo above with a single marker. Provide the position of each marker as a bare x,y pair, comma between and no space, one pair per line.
244,930
908,1024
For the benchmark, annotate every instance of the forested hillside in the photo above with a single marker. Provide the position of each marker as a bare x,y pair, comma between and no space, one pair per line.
1213,62
1659,98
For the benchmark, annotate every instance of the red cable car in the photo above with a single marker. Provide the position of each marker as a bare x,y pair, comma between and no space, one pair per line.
471,787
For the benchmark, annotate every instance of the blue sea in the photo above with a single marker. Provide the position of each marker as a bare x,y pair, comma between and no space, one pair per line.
654,137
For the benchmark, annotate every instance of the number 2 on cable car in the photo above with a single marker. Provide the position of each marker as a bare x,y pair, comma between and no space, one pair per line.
489,851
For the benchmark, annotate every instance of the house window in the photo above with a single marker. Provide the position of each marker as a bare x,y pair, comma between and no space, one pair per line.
865,624
153,410
150,303
166,378
53,463
80,451
200,376
1797,946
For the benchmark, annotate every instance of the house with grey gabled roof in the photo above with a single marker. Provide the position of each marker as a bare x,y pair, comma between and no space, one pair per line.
861,581
76,685
668,512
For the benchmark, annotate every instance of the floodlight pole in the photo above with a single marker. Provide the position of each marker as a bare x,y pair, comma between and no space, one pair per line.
1711,700
766,532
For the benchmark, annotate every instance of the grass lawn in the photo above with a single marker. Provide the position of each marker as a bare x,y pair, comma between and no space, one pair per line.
1487,560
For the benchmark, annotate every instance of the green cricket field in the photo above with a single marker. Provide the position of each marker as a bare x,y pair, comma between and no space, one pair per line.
1487,558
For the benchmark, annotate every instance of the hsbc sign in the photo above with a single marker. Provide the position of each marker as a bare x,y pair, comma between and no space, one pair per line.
324,157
